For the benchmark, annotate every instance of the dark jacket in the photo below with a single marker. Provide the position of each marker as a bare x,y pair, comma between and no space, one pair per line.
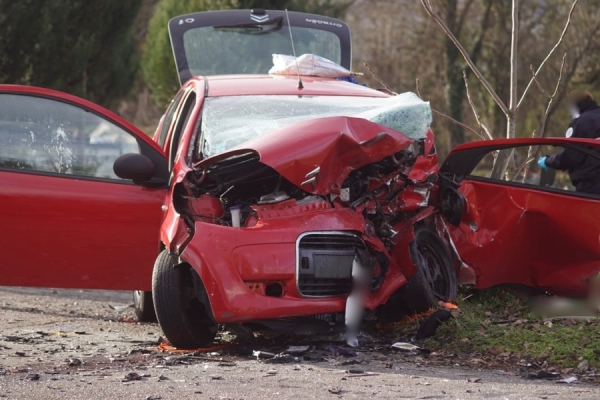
583,169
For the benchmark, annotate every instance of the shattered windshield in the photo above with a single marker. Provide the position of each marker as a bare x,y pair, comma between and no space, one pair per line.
232,120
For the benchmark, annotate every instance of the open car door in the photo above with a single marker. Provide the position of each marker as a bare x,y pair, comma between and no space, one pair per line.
530,228
244,41
67,220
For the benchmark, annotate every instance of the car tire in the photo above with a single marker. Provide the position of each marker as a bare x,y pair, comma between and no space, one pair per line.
181,303
434,280
144,306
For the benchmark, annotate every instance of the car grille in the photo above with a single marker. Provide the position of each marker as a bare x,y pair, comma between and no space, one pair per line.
325,263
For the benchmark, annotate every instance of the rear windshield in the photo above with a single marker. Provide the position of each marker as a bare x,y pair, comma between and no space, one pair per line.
230,42
232,120
249,50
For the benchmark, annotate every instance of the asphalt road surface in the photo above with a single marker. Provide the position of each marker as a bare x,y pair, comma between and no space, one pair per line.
72,344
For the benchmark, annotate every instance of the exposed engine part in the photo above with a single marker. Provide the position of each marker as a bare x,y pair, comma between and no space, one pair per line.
241,181
206,206
376,191
240,191
273,198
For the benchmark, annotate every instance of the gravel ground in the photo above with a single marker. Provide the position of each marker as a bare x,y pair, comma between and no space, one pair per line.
73,344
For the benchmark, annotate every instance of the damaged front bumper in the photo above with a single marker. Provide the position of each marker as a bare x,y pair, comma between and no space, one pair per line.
274,270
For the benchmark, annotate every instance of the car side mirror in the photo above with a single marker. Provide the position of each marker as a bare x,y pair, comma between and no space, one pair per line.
135,167
452,205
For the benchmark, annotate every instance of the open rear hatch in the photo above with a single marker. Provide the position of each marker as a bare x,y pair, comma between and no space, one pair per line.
244,41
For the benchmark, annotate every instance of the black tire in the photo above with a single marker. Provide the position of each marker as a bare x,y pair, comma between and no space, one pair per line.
144,306
434,280
181,303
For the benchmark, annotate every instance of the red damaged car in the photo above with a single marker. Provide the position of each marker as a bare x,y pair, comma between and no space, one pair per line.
276,201
281,189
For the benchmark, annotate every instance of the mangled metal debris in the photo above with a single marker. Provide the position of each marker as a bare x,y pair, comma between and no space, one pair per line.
405,346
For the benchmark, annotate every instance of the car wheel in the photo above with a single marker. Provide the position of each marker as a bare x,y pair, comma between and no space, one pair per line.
181,303
434,280
144,306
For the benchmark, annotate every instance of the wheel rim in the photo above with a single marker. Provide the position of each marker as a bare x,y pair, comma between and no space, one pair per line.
434,269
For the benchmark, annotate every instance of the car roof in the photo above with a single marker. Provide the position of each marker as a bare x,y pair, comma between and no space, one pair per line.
246,85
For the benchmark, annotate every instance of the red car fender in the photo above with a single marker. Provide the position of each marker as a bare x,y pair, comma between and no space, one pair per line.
406,235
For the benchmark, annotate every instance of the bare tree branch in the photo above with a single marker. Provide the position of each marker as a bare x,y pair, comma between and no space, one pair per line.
378,78
467,127
449,118
533,151
560,39
537,82
429,9
482,128
551,97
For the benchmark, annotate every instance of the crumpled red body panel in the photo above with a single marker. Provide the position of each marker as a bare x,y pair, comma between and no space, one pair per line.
519,235
317,155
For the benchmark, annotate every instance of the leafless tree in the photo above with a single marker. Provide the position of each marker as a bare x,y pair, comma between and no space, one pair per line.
509,110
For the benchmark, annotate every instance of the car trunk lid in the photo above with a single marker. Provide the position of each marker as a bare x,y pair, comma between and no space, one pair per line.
243,41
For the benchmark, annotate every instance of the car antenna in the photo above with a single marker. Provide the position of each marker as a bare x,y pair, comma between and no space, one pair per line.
287,16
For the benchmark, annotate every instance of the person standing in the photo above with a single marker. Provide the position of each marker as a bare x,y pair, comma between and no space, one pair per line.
584,169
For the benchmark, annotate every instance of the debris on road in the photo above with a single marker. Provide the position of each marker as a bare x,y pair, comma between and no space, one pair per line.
33,377
74,362
570,379
263,354
340,351
542,375
121,308
429,326
272,358
297,350
132,376
405,346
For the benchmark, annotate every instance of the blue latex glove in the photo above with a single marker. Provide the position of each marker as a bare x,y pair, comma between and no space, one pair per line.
542,164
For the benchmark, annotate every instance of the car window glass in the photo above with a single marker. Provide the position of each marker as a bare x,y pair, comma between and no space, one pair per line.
524,168
243,51
168,118
181,123
40,134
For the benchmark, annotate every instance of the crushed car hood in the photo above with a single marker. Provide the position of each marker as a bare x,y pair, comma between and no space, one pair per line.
317,155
